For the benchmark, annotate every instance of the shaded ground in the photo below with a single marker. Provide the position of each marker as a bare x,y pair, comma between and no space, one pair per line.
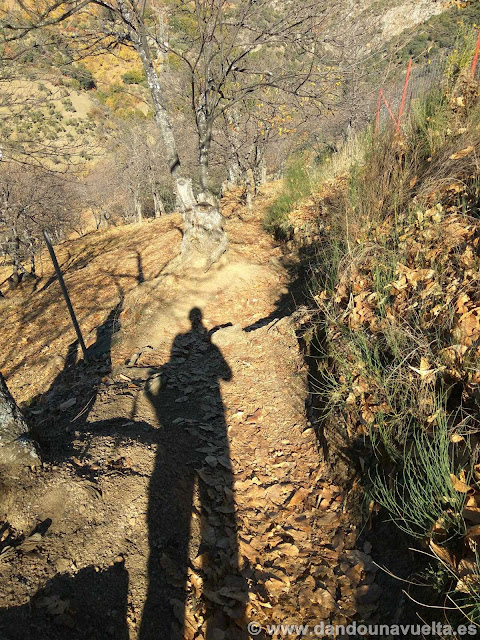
182,494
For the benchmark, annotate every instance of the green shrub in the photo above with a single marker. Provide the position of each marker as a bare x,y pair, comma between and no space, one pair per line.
83,76
387,337
420,497
135,76
297,185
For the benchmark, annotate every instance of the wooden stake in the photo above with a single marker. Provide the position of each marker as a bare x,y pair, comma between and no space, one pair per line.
65,293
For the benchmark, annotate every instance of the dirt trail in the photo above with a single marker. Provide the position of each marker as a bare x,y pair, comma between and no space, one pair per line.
182,494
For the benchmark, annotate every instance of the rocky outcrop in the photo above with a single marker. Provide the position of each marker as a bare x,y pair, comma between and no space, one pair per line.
406,15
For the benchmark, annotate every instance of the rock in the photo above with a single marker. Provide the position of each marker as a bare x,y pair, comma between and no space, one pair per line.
62,565
229,335
17,451
154,384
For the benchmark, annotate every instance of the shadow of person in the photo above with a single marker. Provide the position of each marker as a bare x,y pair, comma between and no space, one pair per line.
191,514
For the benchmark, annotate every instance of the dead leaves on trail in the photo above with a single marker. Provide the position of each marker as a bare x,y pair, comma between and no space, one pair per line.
284,532
291,557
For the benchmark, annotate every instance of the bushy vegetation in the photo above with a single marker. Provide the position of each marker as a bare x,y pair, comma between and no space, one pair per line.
395,280
83,77
440,33
297,185
135,76
454,30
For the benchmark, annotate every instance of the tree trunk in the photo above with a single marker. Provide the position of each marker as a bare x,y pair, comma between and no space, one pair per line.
17,265
17,451
97,217
137,203
250,186
204,232
33,267
260,174
204,143
259,165
203,163
158,205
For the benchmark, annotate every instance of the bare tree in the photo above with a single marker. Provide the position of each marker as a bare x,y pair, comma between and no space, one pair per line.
257,136
31,200
227,50
135,151
131,181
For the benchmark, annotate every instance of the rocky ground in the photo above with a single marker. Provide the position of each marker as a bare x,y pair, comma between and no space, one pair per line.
182,493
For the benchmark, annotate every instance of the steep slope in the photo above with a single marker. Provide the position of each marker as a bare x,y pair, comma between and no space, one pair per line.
392,243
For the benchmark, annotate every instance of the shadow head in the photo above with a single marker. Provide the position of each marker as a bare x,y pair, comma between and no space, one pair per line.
196,317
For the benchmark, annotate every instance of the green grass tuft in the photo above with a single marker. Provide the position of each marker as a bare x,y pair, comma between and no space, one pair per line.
297,185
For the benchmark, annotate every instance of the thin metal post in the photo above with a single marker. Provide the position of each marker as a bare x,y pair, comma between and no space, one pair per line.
475,57
65,293
389,109
404,95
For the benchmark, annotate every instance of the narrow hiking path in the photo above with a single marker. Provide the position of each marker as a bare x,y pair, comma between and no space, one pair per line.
183,494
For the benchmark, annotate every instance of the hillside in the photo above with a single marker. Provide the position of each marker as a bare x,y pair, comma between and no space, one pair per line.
245,403
390,233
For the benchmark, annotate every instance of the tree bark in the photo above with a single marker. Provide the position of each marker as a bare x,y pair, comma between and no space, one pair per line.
137,203
260,174
250,187
204,232
17,451
158,205
17,264
204,144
